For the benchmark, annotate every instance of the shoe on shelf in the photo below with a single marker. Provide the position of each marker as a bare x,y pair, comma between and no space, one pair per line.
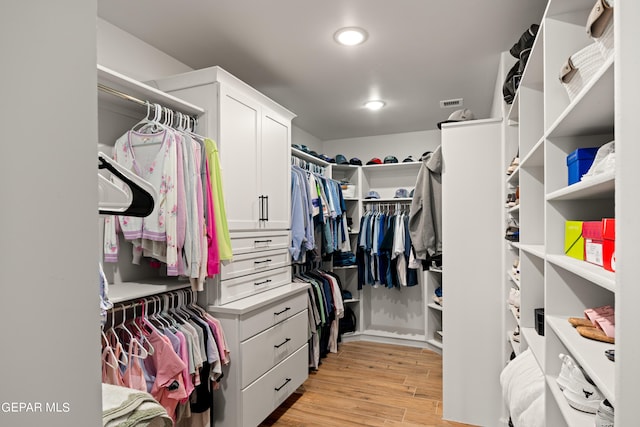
568,364
511,200
581,393
514,165
515,269
516,334
514,297
604,414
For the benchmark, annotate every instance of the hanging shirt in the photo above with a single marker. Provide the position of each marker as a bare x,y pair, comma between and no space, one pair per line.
156,163
215,175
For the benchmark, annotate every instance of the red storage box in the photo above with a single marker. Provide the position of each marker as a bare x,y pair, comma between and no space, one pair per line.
609,245
593,242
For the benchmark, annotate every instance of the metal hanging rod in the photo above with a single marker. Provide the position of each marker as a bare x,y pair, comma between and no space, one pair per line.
126,96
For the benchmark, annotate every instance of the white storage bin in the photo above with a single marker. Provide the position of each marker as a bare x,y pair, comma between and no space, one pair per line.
348,191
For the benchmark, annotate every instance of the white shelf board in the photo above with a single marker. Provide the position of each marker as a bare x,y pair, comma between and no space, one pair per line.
144,92
592,111
535,343
515,245
343,167
127,291
354,232
388,200
514,209
351,199
572,417
591,272
308,157
392,166
514,178
346,267
537,250
351,300
434,306
535,157
435,343
599,187
589,354
513,278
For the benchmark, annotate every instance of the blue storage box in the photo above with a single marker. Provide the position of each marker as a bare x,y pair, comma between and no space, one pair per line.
579,162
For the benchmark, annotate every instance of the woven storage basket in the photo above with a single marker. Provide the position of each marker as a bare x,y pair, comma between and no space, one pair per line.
605,41
585,64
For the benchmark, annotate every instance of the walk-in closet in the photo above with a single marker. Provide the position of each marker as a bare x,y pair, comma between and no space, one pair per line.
344,214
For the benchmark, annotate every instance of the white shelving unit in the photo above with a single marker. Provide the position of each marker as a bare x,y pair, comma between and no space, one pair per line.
473,230
546,126
116,115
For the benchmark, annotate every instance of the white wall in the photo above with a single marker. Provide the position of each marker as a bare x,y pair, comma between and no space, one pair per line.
400,145
299,136
48,250
126,54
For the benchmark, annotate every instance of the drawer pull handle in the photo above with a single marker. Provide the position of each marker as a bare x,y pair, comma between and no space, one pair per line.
262,241
262,283
280,312
282,343
285,383
262,262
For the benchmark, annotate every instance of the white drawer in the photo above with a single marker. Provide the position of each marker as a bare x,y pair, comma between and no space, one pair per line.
255,262
234,289
270,390
253,242
265,350
267,316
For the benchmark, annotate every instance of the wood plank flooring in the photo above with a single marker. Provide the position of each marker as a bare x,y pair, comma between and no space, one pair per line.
369,384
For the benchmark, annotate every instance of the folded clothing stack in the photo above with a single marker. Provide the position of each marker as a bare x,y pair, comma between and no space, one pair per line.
122,406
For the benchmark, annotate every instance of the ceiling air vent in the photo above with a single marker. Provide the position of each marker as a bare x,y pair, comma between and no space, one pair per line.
449,103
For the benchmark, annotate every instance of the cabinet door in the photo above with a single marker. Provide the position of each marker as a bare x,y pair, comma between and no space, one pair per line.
239,138
275,174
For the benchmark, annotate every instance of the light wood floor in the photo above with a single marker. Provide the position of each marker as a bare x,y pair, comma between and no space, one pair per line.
369,384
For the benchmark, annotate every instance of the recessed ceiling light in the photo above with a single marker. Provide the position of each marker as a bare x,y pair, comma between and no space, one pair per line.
350,36
374,105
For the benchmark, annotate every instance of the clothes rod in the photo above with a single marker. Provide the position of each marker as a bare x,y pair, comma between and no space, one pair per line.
133,99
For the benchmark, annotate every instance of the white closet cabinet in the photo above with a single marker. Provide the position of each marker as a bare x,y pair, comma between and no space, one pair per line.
253,134
267,336
472,231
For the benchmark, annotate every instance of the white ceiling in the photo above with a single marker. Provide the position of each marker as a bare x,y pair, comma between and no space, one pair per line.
418,53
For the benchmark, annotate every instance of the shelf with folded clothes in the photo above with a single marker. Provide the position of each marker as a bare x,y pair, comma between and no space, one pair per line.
588,353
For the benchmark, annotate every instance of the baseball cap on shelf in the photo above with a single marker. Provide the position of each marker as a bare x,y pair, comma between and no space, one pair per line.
409,159
401,193
374,161
458,116
341,160
372,195
326,158
390,159
355,161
